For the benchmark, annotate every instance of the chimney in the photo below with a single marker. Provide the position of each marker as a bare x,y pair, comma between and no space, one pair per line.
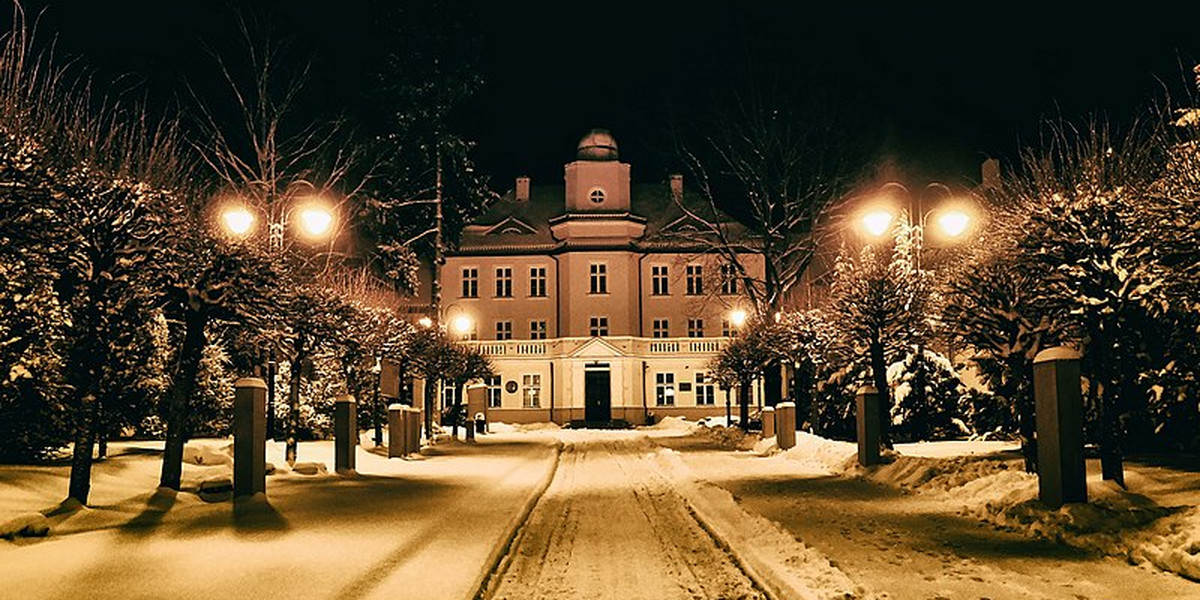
991,174
676,186
522,189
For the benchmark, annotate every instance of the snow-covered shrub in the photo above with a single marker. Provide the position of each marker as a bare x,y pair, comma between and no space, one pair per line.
937,415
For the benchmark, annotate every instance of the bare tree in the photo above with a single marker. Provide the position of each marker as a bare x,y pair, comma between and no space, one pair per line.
272,159
776,161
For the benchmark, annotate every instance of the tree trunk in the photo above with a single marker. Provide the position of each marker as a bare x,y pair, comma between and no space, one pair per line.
431,386
456,414
879,380
1021,384
101,433
376,419
772,384
1112,466
293,422
744,404
179,398
81,457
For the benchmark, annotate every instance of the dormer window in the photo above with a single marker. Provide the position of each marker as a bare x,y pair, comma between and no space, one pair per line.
596,195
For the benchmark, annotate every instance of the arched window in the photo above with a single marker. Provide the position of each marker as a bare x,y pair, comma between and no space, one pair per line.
596,195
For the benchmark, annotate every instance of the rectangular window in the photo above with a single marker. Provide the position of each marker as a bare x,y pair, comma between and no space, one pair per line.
664,389
531,390
504,330
537,330
449,394
695,280
470,283
598,326
661,328
695,327
658,281
537,282
727,329
504,282
599,278
705,394
729,280
493,391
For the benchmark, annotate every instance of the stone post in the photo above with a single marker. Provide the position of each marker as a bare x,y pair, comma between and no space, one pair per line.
768,420
1058,397
413,430
397,434
867,405
249,436
785,425
476,403
418,392
345,432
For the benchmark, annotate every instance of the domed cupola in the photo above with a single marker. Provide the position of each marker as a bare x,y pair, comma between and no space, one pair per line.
598,144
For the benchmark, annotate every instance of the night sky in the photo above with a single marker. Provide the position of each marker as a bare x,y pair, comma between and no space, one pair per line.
941,88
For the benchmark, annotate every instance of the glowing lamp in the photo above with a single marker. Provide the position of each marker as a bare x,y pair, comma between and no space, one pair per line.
316,222
954,223
737,317
237,220
462,324
877,222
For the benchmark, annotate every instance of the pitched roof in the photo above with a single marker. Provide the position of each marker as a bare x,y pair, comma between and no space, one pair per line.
510,225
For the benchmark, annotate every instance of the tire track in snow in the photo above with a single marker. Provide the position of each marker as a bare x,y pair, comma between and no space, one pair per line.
611,526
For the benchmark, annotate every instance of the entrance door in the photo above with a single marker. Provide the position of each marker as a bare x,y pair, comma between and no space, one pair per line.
597,395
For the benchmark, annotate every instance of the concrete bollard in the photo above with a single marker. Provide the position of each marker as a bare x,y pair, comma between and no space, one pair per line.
397,435
249,437
345,432
785,425
867,408
418,392
768,421
413,430
1058,397
476,403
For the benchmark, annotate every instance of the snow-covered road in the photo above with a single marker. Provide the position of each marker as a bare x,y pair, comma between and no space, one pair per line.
611,526
910,547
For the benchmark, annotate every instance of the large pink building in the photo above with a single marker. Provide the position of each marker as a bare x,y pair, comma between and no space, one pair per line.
588,300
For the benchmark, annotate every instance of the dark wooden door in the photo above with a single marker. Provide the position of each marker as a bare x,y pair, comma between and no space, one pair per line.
597,393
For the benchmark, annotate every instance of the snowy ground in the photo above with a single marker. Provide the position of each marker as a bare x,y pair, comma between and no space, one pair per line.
958,520
661,512
427,527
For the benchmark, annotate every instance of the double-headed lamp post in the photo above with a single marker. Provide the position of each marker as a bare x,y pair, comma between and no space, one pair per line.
954,216
313,220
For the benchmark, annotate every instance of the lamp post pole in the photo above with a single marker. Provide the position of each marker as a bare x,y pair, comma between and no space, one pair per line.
954,223
317,220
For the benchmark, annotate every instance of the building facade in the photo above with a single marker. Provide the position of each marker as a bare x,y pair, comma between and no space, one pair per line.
597,299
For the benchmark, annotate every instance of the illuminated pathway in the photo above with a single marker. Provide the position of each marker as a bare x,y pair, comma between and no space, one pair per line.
611,526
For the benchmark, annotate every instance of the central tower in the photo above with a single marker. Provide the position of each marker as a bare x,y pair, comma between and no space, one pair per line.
597,181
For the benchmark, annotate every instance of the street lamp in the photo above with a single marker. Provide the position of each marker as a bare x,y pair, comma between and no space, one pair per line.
316,219
462,325
737,317
954,219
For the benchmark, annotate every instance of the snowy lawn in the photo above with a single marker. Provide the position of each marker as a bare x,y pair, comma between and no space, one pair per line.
937,493
424,527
